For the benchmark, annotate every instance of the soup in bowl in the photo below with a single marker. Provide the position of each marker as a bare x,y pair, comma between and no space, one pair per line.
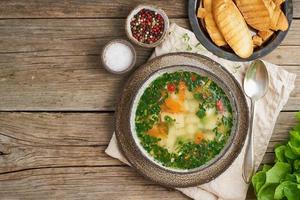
182,120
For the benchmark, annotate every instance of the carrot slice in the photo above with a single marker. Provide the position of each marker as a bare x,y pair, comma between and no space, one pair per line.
181,91
164,108
172,105
154,131
163,129
158,130
181,85
198,138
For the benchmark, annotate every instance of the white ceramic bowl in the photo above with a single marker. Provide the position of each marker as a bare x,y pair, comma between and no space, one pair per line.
128,44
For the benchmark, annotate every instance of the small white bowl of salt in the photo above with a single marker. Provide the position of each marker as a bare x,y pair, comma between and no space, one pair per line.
118,56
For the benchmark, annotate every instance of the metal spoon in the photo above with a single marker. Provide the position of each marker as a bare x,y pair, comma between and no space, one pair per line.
256,84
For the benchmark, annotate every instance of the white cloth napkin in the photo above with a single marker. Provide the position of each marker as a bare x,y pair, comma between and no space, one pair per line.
230,184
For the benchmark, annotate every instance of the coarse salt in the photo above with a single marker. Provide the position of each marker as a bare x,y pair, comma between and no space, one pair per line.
118,56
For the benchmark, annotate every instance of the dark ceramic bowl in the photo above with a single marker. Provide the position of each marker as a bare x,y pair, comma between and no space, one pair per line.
227,53
125,114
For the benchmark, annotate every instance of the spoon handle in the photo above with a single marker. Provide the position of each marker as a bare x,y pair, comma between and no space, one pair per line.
248,167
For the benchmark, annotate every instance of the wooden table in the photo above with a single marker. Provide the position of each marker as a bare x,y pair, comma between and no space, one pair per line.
57,102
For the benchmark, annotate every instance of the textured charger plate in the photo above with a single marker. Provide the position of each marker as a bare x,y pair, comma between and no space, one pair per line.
129,143
227,53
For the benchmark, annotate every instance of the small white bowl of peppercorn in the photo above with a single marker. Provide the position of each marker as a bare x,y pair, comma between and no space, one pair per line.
147,26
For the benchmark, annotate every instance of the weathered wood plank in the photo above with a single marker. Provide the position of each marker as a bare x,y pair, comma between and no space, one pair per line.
35,140
54,64
31,140
84,9
119,182
82,183
57,129
85,183
88,9
20,35
69,88
48,154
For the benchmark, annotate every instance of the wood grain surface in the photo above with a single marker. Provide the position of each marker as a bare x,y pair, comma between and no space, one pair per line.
92,8
46,147
55,64
57,102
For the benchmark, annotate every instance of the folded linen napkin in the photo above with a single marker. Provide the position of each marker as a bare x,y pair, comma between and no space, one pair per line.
229,185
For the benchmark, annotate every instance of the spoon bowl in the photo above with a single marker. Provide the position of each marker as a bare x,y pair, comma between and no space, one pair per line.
256,80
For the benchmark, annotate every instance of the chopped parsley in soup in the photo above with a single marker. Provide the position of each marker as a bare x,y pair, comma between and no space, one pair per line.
183,120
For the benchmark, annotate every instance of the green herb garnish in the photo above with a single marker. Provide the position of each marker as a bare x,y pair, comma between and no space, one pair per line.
169,120
201,113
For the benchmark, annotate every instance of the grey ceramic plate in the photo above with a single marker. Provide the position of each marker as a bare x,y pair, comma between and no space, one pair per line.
125,114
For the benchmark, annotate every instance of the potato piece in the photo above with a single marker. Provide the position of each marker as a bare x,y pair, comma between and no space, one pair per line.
189,95
190,129
265,35
211,26
211,122
201,13
209,136
191,119
180,132
257,40
255,13
193,105
211,119
233,27
171,139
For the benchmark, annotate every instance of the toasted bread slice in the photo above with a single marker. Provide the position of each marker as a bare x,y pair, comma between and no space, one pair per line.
270,4
275,18
257,41
278,2
265,35
201,13
211,26
282,23
233,27
278,19
255,13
